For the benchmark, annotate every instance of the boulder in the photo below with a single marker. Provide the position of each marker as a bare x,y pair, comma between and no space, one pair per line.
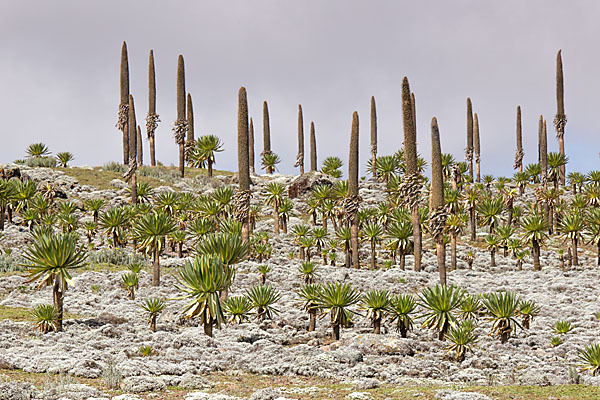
305,183
141,384
8,171
119,184
366,383
194,382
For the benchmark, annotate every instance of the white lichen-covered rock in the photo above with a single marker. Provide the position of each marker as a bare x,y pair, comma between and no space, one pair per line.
126,396
72,391
457,395
141,384
16,390
366,383
209,396
268,394
119,184
190,381
359,396
46,176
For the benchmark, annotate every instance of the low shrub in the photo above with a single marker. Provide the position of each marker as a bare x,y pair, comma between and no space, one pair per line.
34,162
114,166
116,257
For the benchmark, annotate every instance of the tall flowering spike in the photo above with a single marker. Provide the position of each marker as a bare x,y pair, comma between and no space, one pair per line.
560,95
353,158
300,156
410,140
130,175
545,156
560,120
476,145
373,136
469,150
413,102
124,81
140,147
266,134
242,199
189,140
543,150
544,166
266,129
152,119
437,216
313,147
251,146
519,154
411,182
123,116
181,125
353,202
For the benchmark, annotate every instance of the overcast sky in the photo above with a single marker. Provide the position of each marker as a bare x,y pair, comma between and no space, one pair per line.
59,73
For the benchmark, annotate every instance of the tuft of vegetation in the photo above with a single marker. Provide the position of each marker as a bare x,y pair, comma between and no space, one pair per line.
153,306
400,310
308,270
37,150
263,270
376,303
64,158
336,299
331,166
269,161
237,309
528,310
263,297
50,260
310,294
46,317
470,307
202,280
130,281
502,309
111,375
146,350
462,338
562,327
440,303
590,356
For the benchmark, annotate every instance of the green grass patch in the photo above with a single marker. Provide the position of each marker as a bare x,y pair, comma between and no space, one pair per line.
101,179
153,176
20,314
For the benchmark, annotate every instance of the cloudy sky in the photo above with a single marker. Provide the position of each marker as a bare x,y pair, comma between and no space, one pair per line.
59,72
